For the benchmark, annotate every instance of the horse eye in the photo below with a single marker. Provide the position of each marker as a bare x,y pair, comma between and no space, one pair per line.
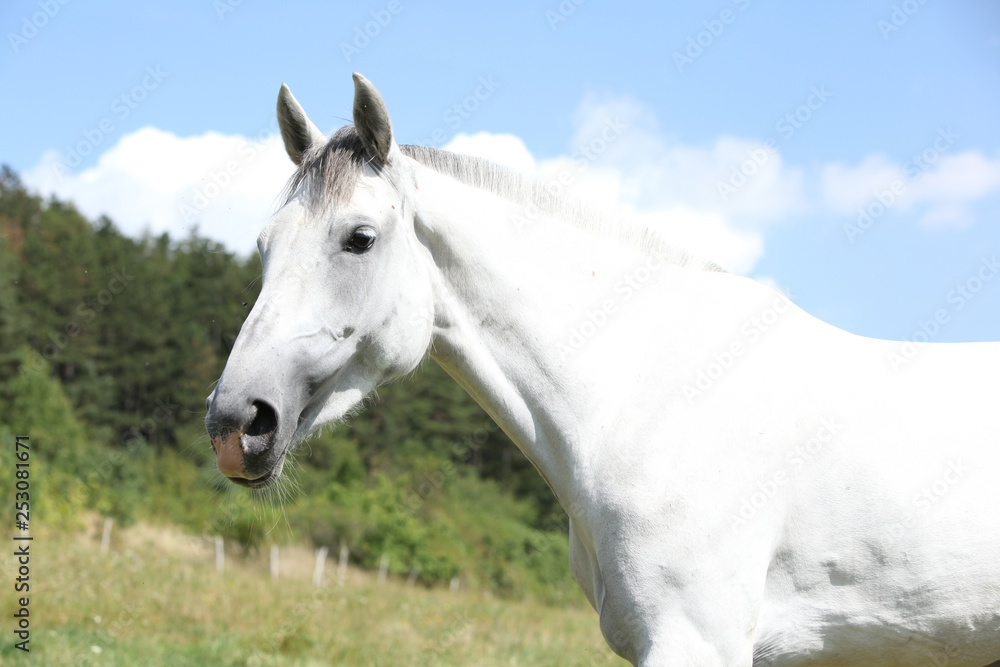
362,239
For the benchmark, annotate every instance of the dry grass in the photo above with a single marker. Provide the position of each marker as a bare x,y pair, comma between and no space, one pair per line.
156,599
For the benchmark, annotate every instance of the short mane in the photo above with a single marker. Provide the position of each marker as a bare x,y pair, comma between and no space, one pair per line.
330,173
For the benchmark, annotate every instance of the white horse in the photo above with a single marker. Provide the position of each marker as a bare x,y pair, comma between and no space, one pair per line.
745,483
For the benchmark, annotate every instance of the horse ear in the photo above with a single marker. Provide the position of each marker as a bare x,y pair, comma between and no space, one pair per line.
297,131
371,118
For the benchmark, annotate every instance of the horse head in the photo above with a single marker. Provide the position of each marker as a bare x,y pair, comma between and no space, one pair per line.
346,301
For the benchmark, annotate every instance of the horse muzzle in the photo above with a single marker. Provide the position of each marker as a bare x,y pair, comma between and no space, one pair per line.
244,443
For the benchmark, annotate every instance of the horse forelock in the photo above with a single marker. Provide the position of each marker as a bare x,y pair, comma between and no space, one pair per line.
329,173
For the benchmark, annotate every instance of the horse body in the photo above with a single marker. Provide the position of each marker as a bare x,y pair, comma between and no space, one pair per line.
745,483
654,471
887,555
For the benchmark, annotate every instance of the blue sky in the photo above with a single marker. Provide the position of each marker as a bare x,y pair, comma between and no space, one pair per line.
162,96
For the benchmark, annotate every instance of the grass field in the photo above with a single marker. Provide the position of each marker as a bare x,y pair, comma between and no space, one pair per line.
156,599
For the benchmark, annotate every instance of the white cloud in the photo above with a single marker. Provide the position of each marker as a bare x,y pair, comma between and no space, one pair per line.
505,149
962,177
621,162
948,216
225,185
716,200
944,189
658,172
845,189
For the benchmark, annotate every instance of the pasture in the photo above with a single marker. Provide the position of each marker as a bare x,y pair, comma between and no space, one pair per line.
156,599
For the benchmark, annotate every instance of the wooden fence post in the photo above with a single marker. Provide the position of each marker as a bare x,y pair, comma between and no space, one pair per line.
342,565
320,564
106,535
220,555
383,568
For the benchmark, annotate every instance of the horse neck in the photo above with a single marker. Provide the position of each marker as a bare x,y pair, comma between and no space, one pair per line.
507,300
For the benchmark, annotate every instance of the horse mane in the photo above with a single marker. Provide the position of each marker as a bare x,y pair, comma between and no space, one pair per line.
329,174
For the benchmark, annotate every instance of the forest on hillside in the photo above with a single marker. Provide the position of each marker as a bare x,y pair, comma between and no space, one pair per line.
110,344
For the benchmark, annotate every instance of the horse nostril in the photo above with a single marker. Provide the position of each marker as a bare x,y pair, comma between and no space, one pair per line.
265,420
